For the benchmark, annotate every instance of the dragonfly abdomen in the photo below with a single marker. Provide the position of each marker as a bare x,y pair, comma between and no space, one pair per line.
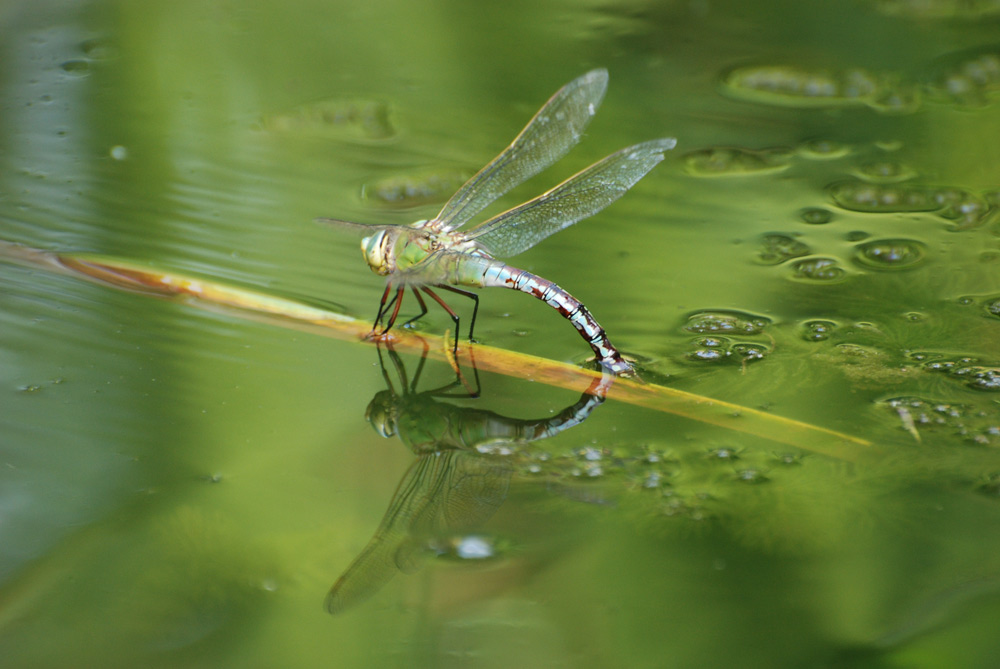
505,276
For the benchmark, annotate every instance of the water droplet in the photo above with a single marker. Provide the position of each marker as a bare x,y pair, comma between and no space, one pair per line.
890,254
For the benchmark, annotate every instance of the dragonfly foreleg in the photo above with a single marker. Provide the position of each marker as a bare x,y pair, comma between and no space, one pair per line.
385,305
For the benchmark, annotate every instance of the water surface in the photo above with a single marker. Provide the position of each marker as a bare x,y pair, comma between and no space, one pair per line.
185,486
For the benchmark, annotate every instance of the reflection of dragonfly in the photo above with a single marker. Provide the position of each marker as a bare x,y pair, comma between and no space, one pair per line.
435,253
457,482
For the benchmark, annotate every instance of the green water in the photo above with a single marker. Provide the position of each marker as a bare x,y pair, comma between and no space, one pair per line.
181,487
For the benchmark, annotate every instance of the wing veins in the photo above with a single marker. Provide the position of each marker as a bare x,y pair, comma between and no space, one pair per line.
549,136
582,195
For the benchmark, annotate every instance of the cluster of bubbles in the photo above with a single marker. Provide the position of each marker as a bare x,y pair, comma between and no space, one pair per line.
693,485
878,254
959,206
796,86
965,369
728,161
722,336
413,190
967,79
365,119
922,416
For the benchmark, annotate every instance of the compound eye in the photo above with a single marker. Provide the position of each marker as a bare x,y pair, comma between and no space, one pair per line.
376,250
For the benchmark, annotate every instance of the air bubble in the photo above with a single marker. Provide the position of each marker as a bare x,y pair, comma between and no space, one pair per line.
816,216
778,248
818,330
890,254
724,161
826,270
734,322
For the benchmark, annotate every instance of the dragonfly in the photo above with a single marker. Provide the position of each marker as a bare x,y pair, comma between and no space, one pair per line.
436,253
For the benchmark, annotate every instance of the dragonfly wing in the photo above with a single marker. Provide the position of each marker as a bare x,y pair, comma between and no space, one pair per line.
553,131
356,227
582,195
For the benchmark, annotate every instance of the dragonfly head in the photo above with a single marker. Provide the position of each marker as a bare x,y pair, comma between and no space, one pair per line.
381,413
378,252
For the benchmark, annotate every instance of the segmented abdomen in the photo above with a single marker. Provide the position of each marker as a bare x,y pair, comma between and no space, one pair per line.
504,276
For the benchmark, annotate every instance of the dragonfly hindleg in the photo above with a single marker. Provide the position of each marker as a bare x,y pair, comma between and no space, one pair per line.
423,308
475,308
444,305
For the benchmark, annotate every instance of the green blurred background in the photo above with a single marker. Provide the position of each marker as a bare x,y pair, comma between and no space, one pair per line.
181,487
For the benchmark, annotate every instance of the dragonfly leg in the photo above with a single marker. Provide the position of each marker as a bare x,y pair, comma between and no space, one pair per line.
475,309
395,310
423,308
444,305
384,307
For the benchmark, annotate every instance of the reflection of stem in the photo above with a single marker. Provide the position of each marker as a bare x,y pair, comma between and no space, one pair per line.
288,313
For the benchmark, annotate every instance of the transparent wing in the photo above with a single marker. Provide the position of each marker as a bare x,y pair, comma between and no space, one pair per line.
355,227
582,195
553,131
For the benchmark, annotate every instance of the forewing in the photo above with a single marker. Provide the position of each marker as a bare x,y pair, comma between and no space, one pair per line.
553,131
582,195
